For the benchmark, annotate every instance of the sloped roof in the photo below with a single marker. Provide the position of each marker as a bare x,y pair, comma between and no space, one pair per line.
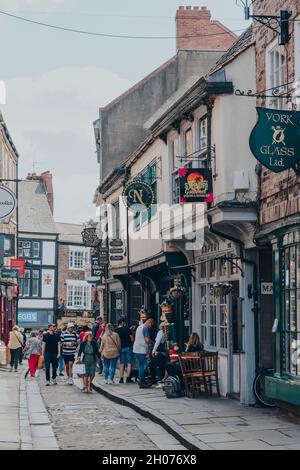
70,233
34,212
243,42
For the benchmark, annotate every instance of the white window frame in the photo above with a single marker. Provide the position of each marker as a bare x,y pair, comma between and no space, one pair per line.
78,258
79,295
272,70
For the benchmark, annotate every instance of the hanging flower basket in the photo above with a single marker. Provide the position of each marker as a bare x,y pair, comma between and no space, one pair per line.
221,288
177,292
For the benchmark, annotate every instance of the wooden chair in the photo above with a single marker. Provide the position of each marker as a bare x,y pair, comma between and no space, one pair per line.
210,371
190,364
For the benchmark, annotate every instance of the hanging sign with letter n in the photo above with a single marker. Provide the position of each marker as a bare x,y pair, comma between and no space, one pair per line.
275,140
138,196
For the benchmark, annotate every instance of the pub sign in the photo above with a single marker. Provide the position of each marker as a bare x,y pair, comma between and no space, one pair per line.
195,185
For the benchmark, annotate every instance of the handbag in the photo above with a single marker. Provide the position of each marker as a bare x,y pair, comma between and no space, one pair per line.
79,369
40,362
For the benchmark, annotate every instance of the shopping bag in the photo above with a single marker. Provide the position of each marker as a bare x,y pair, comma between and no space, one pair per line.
79,369
40,362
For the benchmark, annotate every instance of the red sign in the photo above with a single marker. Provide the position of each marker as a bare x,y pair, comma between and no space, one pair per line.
18,264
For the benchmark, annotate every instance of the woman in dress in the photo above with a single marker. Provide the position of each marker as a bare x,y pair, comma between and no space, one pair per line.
89,350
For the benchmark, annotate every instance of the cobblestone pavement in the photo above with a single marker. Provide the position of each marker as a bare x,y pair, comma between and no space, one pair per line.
90,421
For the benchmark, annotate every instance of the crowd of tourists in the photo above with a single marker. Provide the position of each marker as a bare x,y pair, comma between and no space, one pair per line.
139,351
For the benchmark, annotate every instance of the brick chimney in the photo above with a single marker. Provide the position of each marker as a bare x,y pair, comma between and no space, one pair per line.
194,23
46,177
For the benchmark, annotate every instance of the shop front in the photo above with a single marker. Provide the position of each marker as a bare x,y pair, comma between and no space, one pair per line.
284,385
8,306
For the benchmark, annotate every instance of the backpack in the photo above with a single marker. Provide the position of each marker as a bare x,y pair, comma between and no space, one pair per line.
172,387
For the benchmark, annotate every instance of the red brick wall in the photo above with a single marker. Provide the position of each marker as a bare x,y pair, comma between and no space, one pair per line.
65,273
194,23
279,192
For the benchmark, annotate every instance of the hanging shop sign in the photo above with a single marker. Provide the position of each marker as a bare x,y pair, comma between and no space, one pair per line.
138,196
18,264
195,185
275,139
8,202
9,273
97,269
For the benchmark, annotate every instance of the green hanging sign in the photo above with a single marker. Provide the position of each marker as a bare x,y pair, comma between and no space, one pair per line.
275,140
138,196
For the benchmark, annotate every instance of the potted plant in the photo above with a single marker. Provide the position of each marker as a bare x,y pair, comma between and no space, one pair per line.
221,288
177,292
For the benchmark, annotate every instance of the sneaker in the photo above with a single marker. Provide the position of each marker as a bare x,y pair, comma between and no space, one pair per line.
54,382
61,374
106,382
129,380
121,381
47,383
71,382
160,385
112,382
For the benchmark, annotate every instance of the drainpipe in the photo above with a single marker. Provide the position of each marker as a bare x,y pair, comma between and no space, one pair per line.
254,289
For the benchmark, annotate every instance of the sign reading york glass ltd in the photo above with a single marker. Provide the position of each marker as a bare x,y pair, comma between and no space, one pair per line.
195,185
275,140
8,202
138,196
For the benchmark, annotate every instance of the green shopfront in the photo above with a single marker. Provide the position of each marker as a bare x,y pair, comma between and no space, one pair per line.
284,386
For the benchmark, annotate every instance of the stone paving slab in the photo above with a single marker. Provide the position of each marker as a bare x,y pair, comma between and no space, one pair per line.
214,423
9,409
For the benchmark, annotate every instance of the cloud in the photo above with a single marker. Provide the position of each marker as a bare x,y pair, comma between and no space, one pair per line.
50,119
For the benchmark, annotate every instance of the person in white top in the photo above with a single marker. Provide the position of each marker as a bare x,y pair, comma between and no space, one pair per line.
141,346
160,356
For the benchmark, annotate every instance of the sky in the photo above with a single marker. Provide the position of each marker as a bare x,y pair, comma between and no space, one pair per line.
56,81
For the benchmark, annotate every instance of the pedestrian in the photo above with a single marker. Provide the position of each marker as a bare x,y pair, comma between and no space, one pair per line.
89,350
61,359
69,343
84,331
96,326
32,352
194,344
110,350
141,347
159,355
22,331
51,348
126,338
15,345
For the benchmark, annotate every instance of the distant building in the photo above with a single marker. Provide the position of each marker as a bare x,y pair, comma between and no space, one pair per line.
77,298
37,244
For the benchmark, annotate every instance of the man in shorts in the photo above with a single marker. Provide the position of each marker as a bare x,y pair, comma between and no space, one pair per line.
69,343
126,355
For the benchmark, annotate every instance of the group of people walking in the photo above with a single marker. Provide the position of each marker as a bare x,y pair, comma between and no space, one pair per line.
102,346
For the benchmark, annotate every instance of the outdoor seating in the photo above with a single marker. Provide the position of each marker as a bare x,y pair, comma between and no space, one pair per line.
200,372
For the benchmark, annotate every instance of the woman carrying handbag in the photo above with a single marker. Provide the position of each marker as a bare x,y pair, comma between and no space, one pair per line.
110,349
89,350
15,346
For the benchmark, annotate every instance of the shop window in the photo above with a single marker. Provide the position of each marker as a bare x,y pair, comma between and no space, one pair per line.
213,321
212,268
224,322
203,314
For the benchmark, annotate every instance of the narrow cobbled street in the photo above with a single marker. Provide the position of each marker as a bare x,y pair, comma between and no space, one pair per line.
92,422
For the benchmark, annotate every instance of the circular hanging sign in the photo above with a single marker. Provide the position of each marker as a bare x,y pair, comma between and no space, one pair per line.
8,202
138,196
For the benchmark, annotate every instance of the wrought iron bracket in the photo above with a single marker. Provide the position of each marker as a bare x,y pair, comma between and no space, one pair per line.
275,92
